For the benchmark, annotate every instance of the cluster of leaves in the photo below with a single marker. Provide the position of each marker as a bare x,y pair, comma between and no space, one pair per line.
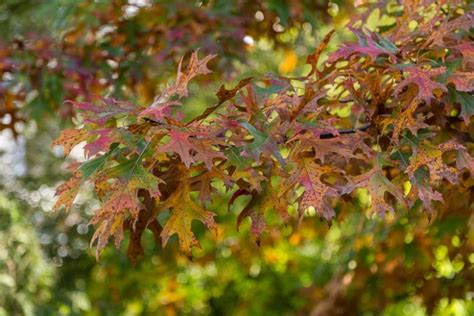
390,113
124,48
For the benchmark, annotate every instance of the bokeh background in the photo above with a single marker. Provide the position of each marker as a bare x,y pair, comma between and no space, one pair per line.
57,50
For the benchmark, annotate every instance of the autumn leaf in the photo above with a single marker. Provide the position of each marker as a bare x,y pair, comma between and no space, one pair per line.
464,160
466,101
108,109
196,67
205,180
421,189
265,200
70,138
110,218
223,95
183,212
431,156
377,184
89,167
467,51
463,81
367,46
133,176
158,111
421,78
343,146
313,59
101,143
250,176
67,191
262,142
142,179
180,144
446,28
406,119
190,148
256,213
317,193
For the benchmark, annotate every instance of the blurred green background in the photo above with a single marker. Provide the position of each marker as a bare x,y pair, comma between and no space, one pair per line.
362,265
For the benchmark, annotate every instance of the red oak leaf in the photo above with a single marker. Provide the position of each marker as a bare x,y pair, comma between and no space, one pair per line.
421,78
317,193
463,81
260,202
467,51
377,184
109,108
159,111
191,149
366,47
102,143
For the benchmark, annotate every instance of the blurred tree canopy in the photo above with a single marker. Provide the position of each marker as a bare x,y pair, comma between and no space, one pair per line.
52,51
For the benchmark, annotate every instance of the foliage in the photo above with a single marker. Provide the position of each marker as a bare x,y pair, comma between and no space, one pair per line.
381,114
123,48
255,157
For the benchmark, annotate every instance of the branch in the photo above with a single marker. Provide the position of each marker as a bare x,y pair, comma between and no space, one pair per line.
346,131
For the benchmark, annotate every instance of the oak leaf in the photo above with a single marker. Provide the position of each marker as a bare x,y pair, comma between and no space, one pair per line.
110,218
421,78
67,191
101,143
196,67
432,157
377,184
367,46
69,138
316,193
108,109
191,148
183,212
463,81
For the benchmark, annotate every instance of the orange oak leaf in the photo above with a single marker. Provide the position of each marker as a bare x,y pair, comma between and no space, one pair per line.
196,67
405,119
183,212
431,156
110,218
70,138
314,57
67,191
260,202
